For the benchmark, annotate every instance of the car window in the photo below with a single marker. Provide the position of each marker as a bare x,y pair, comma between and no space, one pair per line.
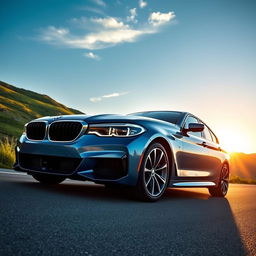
190,120
168,116
215,139
207,133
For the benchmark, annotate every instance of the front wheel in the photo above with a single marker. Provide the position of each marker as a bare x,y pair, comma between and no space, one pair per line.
222,189
48,179
154,173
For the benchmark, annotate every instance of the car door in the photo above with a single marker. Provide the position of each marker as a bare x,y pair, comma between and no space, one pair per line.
193,159
215,155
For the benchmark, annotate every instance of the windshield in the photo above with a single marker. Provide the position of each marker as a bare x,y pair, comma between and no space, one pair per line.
168,116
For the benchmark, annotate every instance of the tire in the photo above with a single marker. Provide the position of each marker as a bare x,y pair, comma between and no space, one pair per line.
154,174
222,188
48,179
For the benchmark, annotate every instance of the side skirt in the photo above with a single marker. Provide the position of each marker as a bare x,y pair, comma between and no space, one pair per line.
194,184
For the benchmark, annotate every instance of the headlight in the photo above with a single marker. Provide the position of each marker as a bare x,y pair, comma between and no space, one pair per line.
116,130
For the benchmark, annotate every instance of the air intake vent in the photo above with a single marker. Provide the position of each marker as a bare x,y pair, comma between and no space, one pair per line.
64,131
53,164
36,130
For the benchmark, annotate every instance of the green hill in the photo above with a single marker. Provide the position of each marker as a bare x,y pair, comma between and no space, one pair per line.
19,106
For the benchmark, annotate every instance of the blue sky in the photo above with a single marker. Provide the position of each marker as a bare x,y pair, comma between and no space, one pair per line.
123,56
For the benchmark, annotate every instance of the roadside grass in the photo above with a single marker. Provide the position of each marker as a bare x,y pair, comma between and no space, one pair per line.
7,152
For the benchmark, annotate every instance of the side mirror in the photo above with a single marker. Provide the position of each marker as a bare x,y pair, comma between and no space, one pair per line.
195,127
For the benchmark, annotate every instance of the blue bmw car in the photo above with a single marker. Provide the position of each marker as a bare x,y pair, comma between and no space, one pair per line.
147,151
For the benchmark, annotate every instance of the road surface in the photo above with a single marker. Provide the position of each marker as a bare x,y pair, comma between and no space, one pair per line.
77,218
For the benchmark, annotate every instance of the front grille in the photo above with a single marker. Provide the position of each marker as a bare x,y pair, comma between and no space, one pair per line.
64,131
53,164
36,130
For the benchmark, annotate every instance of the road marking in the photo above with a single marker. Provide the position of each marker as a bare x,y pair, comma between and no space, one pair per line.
15,173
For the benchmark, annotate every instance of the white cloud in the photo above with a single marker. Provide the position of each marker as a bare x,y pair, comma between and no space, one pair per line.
109,22
142,3
92,41
99,2
97,24
95,99
54,34
92,9
100,33
158,18
92,55
115,94
97,40
133,14
112,95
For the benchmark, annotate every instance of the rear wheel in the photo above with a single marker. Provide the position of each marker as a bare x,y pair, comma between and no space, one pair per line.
222,188
48,179
154,173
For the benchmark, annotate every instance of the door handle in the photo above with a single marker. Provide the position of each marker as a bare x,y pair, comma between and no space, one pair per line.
204,144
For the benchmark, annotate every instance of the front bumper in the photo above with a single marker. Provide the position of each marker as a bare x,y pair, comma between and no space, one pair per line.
90,157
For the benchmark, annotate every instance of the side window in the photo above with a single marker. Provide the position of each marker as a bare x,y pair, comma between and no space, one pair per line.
207,133
214,138
190,120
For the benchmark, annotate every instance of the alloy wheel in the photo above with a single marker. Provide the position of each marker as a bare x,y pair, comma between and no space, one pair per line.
156,172
224,179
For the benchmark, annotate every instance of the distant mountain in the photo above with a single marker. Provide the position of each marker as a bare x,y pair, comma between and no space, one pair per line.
243,165
19,106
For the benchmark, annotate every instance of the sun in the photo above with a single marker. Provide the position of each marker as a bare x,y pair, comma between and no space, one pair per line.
234,141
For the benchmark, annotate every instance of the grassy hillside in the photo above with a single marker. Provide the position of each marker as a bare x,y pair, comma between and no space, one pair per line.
18,106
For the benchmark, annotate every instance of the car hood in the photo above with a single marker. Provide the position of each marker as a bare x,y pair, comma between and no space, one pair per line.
105,118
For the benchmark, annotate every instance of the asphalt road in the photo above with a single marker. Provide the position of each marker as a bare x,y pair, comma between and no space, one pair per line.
77,218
